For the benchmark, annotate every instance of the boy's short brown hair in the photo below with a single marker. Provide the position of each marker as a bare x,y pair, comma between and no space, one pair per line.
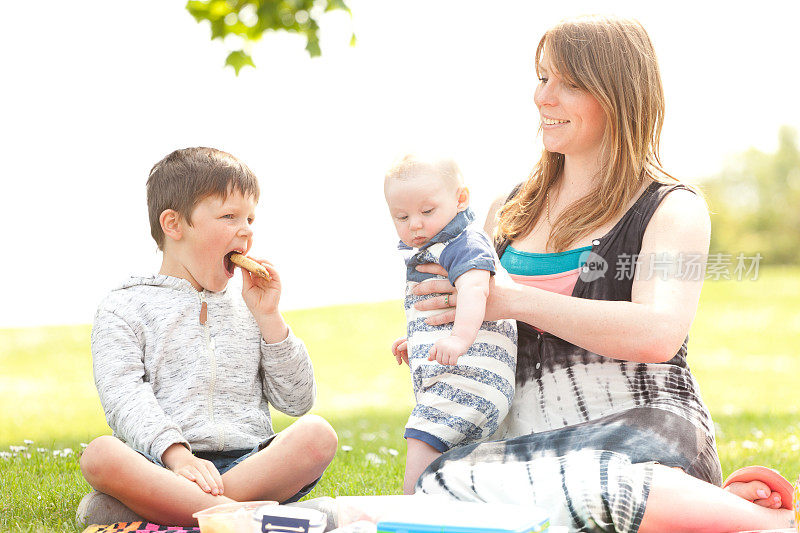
187,176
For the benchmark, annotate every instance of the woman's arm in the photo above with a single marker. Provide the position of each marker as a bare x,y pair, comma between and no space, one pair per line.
491,218
651,327
473,289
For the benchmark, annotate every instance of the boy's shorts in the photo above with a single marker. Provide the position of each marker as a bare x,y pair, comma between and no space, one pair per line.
224,461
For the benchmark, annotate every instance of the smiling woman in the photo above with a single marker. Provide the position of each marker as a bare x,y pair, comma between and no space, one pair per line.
572,119
605,402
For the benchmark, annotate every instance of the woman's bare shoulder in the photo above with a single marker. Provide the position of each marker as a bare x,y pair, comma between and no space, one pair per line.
491,217
681,216
681,204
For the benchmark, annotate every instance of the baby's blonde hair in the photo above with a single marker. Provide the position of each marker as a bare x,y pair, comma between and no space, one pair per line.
414,165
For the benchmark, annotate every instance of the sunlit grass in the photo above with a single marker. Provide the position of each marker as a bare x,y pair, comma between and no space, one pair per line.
743,351
41,490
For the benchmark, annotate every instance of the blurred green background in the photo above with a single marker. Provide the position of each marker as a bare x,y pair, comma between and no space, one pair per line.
742,349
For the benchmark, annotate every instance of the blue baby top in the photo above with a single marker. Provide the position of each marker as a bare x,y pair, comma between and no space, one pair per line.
460,246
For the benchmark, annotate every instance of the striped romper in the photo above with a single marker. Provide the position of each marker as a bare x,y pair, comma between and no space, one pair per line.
584,430
463,403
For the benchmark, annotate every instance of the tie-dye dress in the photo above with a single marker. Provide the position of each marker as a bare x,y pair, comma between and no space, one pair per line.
584,430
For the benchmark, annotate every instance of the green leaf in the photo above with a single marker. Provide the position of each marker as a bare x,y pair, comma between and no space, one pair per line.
272,15
198,9
218,29
218,9
313,45
239,59
336,4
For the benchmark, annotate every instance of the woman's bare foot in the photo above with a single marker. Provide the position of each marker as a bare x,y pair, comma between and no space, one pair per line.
761,485
757,492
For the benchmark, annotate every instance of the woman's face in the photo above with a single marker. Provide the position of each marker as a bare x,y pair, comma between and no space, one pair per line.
572,120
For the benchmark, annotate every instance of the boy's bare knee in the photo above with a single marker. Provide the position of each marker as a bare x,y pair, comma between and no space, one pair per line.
98,457
318,438
91,459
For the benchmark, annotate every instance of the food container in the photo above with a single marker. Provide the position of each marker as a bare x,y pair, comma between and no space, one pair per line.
362,526
229,517
283,519
373,508
796,503
467,517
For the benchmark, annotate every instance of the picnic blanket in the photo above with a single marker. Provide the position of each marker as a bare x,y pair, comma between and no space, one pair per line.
138,527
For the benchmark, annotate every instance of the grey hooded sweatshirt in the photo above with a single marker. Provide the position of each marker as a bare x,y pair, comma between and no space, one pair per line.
165,378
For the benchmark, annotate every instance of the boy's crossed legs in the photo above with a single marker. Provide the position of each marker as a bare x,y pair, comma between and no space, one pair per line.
294,459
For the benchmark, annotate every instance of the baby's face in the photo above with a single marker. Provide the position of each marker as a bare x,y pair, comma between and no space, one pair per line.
421,207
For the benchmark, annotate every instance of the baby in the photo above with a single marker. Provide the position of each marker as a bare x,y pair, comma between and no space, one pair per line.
463,373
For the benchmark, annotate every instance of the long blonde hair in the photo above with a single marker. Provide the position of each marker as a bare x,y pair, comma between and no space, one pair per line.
612,59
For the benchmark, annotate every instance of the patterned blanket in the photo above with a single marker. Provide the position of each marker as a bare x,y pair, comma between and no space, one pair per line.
138,527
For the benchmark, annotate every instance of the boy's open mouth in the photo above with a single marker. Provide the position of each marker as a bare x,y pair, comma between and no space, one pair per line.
229,266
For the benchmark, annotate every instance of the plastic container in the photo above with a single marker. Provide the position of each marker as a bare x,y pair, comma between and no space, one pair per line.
796,504
466,517
362,526
229,517
374,508
283,519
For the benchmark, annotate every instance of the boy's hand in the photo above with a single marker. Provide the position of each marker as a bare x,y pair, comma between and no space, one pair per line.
400,350
262,297
447,351
181,461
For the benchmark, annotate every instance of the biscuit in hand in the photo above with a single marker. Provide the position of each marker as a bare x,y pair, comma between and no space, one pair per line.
250,265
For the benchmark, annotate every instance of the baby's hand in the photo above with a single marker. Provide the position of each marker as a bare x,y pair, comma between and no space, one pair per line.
400,350
447,351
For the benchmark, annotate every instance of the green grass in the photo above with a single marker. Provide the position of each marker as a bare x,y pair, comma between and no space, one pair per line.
742,350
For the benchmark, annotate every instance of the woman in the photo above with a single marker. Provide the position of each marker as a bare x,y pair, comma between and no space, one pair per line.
605,247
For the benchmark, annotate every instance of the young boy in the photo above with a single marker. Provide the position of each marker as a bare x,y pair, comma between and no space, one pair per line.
456,403
185,371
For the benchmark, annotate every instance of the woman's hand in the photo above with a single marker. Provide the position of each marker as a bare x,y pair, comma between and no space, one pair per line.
446,301
496,303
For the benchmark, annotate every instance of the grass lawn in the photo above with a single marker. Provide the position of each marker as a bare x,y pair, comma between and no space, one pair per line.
742,350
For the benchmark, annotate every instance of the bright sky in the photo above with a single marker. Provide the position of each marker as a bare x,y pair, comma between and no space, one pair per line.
96,92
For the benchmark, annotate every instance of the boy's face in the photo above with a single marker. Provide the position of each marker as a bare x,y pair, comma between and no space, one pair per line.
219,227
422,206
